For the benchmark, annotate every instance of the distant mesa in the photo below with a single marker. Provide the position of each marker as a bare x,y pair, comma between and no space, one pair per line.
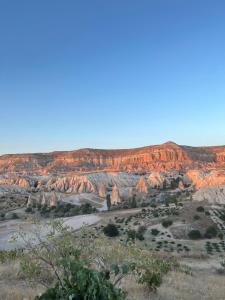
168,156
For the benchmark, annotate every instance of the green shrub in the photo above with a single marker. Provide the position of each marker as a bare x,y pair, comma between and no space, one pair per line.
167,223
195,234
131,234
141,229
155,231
9,255
28,209
196,217
220,235
211,232
15,216
200,209
152,277
111,230
81,283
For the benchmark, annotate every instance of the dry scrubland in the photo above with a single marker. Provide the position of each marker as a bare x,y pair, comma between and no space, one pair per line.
202,277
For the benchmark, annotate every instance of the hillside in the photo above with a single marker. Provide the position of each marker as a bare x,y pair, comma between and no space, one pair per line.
158,157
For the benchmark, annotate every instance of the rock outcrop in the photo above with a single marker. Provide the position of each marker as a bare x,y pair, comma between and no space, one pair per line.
44,199
141,186
115,197
101,190
211,194
204,177
163,157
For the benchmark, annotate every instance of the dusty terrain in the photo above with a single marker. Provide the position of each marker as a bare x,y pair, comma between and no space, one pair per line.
142,188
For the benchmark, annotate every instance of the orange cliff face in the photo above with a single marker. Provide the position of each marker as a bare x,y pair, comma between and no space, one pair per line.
159,157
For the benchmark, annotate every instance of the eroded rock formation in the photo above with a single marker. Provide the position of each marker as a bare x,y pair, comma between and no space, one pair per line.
159,157
142,186
44,199
115,197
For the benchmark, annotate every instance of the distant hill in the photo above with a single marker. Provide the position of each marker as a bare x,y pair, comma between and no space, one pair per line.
166,156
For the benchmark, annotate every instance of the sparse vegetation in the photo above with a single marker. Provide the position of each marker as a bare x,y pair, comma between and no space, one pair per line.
211,232
195,234
111,230
200,209
155,231
167,223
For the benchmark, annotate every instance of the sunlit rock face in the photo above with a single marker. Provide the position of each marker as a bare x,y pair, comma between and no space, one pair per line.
118,172
142,186
212,194
101,190
44,199
156,180
204,177
115,197
15,181
168,156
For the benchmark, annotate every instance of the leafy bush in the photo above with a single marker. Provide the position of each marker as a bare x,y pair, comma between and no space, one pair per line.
167,223
64,259
81,283
220,235
195,234
111,230
152,277
200,209
28,209
131,234
8,255
15,216
211,232
155,231
196,217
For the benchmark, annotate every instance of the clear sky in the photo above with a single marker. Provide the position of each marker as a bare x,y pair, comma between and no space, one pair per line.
108,74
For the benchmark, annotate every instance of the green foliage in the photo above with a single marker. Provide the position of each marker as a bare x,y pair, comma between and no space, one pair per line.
220,235
2,215
195,234
200,209
155,231
108,201
66,210
81,283
171,200
111,230
28,209
9,255
167,223
152,277
15,216
196,217
133,202
81,265
211,232
131,234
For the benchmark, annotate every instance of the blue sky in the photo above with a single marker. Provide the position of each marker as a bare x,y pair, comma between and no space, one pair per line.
111,74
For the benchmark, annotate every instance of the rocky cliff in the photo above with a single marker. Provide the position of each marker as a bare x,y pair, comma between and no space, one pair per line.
159,157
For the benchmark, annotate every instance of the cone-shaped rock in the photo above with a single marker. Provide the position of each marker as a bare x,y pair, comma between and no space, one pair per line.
101,190
141,186
115,198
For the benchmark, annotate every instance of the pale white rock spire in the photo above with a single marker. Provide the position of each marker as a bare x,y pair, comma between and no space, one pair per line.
115,197
101,190
53,200
43,200
30,202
